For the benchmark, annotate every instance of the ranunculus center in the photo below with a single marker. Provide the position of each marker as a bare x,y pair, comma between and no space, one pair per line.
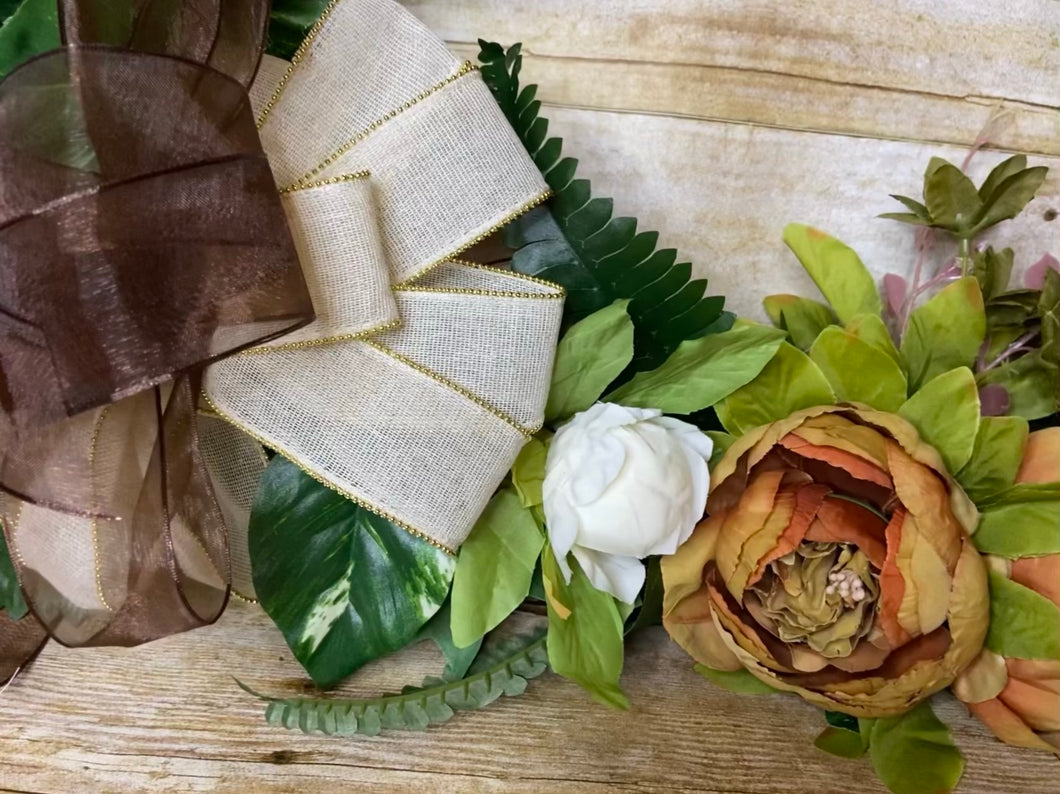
823,594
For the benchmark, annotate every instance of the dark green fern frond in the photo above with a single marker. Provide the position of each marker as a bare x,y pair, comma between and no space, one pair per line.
575,241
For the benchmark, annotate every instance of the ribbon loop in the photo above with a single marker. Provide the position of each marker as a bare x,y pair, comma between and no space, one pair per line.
416,415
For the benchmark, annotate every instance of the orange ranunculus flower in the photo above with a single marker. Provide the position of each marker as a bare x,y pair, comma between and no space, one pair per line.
836,563
1019,699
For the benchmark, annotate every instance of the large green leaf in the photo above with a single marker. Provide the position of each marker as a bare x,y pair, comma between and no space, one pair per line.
32,29
703,371
837,271
859,371
439,630
592,353
1024,529
842,743
289,23
802,318
739,681
788,383
946,414
586,644
1023,624
343,584
945,333
914,753
872,329
11,599
576,242
528,471
495,566
7,8
996,456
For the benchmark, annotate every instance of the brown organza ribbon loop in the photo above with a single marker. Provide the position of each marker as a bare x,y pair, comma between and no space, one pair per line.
141,238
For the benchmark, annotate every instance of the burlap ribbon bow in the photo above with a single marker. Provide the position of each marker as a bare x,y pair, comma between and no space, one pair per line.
411,391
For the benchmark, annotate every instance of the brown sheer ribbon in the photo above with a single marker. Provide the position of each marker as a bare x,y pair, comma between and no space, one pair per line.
141,238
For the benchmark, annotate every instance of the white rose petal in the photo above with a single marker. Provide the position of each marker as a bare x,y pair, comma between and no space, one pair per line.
622,484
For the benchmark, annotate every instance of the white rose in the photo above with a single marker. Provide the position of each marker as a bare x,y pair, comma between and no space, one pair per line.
621,484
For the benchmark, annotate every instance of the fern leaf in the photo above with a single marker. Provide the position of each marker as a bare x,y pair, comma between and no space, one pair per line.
502,670
576,241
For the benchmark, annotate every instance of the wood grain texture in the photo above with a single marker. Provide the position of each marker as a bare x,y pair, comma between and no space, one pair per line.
168,717
715,123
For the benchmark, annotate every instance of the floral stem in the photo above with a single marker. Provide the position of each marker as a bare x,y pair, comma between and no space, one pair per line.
965,255
1016,347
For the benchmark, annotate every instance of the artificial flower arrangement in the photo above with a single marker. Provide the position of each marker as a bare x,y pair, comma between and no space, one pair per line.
860,505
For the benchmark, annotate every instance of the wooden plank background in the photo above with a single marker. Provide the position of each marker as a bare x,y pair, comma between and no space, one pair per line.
716,123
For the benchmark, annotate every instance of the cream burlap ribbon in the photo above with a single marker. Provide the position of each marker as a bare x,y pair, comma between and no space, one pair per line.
422,376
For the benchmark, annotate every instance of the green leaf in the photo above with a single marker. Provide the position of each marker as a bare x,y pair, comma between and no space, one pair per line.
918,210
29,31
945,411
1031,383
999,173
843,743
914,753
858,371
1023,624
1026,529
788,383
598,259
11,599
439,630
802,318
495,566
7,8
838,719
996,456
739,681
872,329
343,584
586,646
992,269
528,472
592,353
1010,197
289,23
1023,492
416,708
944,333
951,198
650,613
722,442
837,271
702,371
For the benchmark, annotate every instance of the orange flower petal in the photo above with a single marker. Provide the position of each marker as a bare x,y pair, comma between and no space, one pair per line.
752,528
1007,726
1041,460
892,583
808,501
1035,702
926,496
840,521
1041,574
852,464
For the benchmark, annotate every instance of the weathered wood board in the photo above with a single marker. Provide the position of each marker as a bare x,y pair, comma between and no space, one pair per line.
715,123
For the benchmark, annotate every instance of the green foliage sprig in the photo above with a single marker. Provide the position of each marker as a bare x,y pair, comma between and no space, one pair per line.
503,670
1018,361
576,242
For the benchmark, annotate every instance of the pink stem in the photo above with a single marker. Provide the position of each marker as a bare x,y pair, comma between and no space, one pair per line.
1016,347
